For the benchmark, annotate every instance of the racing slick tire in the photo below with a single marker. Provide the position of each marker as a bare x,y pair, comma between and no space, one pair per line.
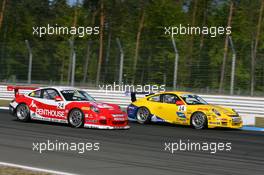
76,118
143,115
199,120
22,112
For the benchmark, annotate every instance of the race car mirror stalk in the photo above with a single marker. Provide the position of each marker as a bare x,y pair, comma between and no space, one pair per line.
179,103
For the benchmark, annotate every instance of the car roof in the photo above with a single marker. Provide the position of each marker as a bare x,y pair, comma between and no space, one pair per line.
175,92
61,88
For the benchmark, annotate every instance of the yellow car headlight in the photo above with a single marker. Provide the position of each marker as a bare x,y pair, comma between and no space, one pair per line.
235,111
216,112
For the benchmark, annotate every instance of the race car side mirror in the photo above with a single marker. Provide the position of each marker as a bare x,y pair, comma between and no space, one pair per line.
58,98
179,102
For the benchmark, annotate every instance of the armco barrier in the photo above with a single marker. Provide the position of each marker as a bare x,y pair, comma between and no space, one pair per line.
253,106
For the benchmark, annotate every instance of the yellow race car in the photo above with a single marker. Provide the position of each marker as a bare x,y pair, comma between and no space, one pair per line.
181,108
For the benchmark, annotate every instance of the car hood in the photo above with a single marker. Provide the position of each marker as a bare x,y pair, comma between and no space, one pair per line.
106,106
224,110
221,109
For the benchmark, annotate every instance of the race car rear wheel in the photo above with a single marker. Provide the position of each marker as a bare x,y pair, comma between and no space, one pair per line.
199,120
143,115
76,118
22,112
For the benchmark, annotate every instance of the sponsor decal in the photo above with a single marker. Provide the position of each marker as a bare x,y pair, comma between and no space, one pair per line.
89,116
181,115
119,119
35,116
32,105
68,91
91,121
214,123
85,108
61,105
118,115
203,109
48,112
182,108
132,107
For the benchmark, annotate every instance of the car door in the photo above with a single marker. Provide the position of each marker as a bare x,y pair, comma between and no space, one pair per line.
172,109
50,108
153,103
34,101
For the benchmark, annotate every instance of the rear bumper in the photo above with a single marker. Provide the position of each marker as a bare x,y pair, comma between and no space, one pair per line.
132,112
11,110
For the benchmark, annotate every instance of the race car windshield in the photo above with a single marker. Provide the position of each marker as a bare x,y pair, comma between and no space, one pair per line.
191,99
76,95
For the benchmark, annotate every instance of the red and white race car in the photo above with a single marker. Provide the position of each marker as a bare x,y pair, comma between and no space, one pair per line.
66,105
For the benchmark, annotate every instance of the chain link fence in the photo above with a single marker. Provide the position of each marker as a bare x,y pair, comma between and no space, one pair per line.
52,64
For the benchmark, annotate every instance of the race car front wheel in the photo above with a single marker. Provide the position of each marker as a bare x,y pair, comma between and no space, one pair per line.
199,120
76,118
143,115
22,112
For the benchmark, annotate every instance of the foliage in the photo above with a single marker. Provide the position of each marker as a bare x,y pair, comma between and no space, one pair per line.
199,66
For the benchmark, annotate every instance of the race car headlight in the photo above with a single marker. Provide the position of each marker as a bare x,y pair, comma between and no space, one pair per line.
95,109
216,112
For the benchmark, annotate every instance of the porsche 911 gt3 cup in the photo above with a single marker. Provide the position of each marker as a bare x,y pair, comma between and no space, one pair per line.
182,108
66,105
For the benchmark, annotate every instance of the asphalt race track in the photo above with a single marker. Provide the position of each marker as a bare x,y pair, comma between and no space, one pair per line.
139,150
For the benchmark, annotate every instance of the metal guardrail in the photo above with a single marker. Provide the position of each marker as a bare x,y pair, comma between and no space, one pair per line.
243,105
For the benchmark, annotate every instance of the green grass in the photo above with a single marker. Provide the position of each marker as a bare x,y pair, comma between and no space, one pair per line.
4,103
259,121
4,170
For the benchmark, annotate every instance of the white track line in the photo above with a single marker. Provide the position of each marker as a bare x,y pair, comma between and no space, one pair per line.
6,108
34,169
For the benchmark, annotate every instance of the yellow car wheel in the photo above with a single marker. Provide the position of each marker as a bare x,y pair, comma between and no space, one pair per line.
143,115
199,120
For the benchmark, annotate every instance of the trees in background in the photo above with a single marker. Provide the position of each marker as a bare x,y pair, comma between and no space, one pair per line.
148,53
229,20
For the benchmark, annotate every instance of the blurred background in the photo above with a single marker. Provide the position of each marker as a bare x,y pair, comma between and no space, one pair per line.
132,46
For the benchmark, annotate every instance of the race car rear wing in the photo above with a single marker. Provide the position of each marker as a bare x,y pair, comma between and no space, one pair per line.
133,95
17,88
